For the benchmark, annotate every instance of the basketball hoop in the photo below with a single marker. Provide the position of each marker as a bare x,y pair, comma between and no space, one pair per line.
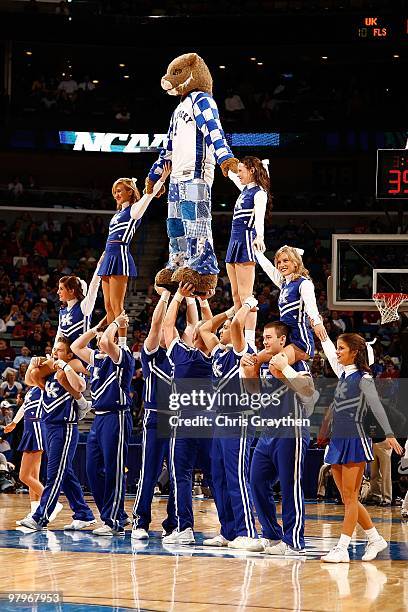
388,304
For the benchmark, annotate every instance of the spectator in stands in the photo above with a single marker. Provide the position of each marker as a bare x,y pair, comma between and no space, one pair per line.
123,115
86,85
10,388
24,357
234,107
15,188
3,327
363,281
6,352
12,318
36,344
6,413
338,322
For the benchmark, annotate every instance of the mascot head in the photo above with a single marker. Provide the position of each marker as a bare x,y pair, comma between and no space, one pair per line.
187,73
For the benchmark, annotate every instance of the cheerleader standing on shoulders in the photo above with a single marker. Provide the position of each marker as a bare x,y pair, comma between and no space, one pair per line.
247,233
32,443
118,264
297,302
349,448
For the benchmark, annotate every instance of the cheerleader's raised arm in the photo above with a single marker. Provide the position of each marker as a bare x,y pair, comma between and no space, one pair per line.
139,208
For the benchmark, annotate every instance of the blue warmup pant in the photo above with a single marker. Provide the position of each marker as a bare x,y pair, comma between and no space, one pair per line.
232,492
186,454
280,459
106,456
62,440
154,451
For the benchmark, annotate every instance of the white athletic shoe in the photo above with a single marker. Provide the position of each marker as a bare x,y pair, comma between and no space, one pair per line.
31,524
139,534
268,543
105,530
76,525
29,515
55,512
338,554
281,549
180,537
127,521
218,540
246,543
373,548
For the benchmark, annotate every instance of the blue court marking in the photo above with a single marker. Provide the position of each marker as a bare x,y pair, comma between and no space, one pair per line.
85,542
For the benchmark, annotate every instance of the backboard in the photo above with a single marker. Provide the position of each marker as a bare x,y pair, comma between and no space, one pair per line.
363,264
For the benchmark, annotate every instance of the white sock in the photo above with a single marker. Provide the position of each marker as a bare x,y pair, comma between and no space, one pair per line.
250,338
122,341
344,541
372,534
34,506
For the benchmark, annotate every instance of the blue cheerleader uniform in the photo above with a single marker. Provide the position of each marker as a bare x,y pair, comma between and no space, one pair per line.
240,248
349,443
292,312
118,260
33,438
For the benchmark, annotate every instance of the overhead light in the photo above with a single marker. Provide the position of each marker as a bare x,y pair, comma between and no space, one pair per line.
395,56
28,52
122,65
253,59
95,81
126,76
222,67
69,18
324,57
63,74
259,63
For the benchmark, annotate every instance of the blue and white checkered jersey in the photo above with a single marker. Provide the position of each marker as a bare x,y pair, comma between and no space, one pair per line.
32,404
110,381
72,322
58,406
195,141
157,372
122,227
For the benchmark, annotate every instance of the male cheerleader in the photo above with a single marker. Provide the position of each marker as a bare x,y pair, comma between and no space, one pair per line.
280,452
231,443
59,413
112,369
157,374
192,366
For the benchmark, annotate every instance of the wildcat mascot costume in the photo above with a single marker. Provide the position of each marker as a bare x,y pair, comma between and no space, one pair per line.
195,143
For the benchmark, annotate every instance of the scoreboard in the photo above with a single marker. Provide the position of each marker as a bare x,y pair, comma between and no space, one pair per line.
392,174
377,27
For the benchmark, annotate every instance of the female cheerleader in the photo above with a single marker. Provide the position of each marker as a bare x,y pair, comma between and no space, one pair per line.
32,443
247,232
118,264
349,448
297,302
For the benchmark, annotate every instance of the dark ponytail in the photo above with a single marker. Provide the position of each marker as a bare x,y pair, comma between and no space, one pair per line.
261,176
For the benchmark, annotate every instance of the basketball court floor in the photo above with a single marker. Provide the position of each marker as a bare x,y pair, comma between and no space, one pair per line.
101,573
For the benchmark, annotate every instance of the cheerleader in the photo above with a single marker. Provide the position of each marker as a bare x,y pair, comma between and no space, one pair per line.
118,265
349,448
247,233
31,445
297,302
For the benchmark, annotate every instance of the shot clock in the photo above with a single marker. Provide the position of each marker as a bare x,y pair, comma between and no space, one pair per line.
392,174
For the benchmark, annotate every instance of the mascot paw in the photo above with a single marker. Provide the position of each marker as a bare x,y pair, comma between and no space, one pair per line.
204,283
149,184
230,164
164,279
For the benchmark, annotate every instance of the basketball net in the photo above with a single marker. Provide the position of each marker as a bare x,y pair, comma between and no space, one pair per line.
388,304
